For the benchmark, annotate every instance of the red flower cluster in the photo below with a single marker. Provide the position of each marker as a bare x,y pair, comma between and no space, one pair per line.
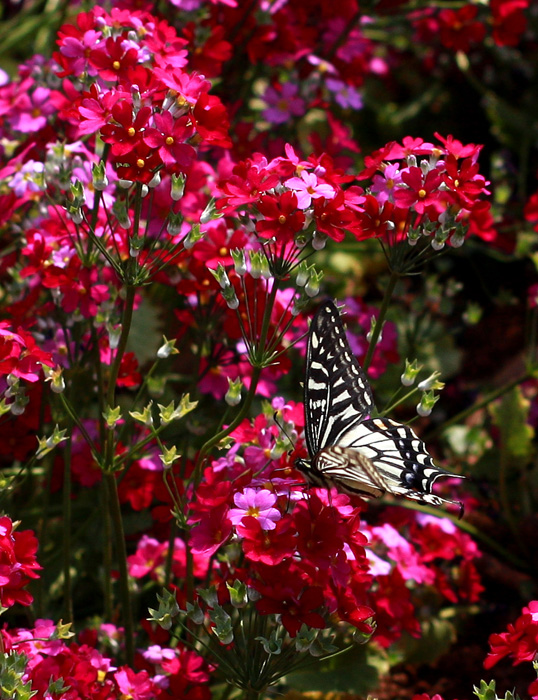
417,188
18,564
144,104
87,673
520,641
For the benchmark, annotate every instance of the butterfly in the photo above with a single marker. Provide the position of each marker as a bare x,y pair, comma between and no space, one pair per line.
348,449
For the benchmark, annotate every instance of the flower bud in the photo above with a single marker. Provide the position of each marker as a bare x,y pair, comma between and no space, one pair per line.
230,297
169,348
221,276
178,186
410,372
99,178
233,395
240,261
312,286
427,402
192,237
174,223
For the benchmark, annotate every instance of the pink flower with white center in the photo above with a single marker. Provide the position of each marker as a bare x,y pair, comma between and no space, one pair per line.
383,185
308,188
257,504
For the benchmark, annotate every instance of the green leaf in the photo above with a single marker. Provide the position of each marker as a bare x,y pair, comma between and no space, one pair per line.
510,416
435,640
355,671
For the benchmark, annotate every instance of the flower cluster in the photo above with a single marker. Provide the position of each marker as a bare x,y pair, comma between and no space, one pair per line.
18,564
81,670
176,171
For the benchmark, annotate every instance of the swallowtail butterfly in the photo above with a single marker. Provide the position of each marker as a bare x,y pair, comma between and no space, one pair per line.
348,448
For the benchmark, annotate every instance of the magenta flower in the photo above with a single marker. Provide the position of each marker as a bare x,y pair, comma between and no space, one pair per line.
257,504
345,95
282,104
383,185
308,188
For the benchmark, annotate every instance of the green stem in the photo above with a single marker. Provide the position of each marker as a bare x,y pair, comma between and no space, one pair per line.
462,415
379,322
121,554
67,525
108,606
126,321
258,364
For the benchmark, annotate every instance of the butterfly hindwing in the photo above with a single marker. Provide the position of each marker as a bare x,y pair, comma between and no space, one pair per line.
348,449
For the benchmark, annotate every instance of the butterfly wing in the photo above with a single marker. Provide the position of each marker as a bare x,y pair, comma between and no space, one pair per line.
348,449
337,394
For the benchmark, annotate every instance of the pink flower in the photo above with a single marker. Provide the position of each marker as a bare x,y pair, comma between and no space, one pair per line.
345,95
383,185
257,504
137,686
307,188
283,103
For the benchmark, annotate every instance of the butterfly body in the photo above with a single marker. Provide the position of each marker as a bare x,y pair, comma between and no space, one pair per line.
348,448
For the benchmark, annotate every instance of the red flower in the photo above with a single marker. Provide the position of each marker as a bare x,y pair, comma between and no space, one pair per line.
519,641
169,137
458,28
212,532
375,220
112,60
18,563
509,21
288,597
269,547
140,164
126,134
282,218
420,191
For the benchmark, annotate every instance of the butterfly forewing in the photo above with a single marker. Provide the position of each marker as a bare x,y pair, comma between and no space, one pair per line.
348,449
337,393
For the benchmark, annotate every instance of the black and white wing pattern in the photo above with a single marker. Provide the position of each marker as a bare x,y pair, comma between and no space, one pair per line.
349,449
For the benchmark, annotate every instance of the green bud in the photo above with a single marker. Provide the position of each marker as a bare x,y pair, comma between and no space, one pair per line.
192,237
210,212
314,281
427,402
240,261
305,638
144,416
47,444
174,223
223,627
432,382
410,372
167,349
230,297
233,395
178,186
112,416
169,456
55,377
99,178
271,646
238,594
168,609
221,276
303,273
